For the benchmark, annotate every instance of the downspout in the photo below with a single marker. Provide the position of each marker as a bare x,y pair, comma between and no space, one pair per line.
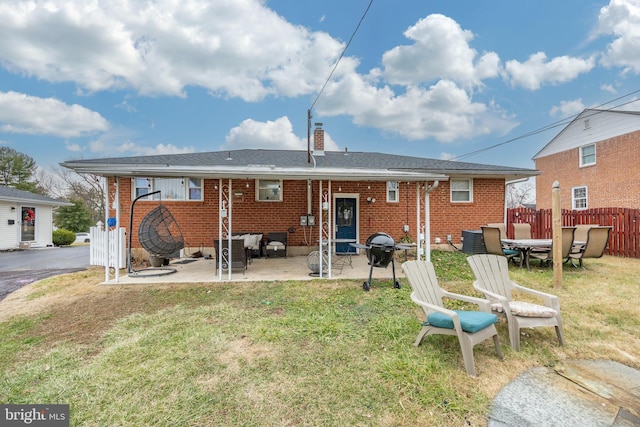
427,219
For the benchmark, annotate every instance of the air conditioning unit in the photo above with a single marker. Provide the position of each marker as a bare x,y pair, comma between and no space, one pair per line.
472,242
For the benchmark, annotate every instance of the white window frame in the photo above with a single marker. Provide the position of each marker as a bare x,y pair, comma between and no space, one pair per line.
575,200
266,190
140,183
187,186
393,192
582,155
468,190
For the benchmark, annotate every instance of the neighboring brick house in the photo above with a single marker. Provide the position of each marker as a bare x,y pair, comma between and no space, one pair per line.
270,190
595,159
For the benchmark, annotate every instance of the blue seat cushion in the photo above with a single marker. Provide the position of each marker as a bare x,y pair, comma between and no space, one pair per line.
510,252
471,321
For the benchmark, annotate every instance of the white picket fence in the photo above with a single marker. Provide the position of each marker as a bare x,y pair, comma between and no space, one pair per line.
97,252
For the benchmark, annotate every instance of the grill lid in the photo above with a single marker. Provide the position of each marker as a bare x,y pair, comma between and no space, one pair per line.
380,249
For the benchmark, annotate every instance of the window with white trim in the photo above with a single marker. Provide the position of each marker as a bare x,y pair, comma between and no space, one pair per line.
269,190
141,186
170,188
461,190
588,155
579,198
392,191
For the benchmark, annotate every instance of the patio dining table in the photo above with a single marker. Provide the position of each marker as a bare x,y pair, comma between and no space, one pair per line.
526,246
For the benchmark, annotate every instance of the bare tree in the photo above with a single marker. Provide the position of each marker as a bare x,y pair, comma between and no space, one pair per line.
86,187
521,193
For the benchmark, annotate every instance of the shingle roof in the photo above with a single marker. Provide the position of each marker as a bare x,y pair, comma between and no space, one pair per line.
14,195
254,162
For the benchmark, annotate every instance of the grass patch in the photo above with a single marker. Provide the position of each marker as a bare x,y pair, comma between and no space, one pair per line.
289,353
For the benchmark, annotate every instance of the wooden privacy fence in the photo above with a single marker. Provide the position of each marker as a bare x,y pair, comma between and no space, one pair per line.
625,234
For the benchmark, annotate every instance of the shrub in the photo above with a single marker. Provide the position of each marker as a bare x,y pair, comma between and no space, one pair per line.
62,237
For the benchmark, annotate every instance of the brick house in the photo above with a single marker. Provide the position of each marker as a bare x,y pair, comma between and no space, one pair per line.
347,194
595,159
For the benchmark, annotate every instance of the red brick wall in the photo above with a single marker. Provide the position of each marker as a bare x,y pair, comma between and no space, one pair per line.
611,182
198,221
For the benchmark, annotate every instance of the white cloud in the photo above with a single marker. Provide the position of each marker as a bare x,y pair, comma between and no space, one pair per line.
236,49
438,76
24,114
72,147
609,88
427,89
444,111
537,71
447,156
440,51
107,148
621,19
273,135
567,108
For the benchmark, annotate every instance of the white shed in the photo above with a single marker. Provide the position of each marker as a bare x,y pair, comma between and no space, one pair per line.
26,219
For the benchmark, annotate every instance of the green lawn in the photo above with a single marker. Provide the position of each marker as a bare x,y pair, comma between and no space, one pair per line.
288,353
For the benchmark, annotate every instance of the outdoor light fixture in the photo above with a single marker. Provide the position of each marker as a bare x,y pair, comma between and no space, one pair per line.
371,200
13,208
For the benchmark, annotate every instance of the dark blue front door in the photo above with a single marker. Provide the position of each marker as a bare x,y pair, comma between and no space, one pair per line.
346,223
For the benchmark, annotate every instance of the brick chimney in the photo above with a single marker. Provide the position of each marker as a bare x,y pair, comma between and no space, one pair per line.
318,140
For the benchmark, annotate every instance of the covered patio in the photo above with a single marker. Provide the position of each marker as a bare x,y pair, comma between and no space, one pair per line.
199,270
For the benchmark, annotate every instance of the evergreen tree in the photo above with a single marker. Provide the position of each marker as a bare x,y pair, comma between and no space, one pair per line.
76,218
17,170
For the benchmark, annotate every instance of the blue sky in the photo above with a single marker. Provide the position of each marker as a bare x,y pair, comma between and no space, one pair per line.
437,78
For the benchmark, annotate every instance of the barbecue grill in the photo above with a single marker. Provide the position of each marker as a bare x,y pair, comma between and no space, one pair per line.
380,249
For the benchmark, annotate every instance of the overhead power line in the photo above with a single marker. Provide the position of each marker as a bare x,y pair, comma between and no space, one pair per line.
329,78
561,122
342,54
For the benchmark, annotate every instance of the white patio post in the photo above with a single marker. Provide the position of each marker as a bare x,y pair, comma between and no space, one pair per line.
321,225
330,216
116,202
230,231
419,236
427,219
105,186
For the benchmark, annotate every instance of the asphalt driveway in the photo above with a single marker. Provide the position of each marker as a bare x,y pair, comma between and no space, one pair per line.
19,268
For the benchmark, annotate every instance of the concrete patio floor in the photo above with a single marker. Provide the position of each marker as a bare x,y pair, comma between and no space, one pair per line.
198,270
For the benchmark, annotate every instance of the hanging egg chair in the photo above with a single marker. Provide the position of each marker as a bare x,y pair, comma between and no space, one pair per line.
159,233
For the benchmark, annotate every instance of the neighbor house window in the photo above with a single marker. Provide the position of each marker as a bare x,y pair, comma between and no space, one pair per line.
392,191
461,190
588,155
579,197
269,190
170,188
